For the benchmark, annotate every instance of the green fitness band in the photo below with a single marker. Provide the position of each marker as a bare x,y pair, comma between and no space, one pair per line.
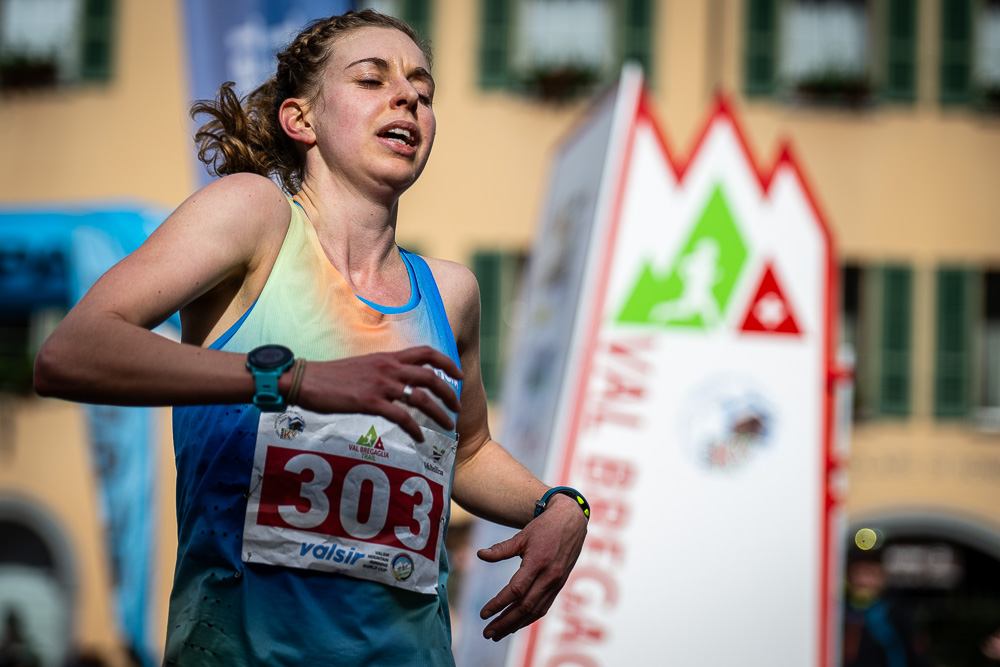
540,505
267,363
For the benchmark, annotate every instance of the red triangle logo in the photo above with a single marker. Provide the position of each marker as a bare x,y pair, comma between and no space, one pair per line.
769,311
378,444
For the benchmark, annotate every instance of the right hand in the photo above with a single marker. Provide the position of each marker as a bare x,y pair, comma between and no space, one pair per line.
373,384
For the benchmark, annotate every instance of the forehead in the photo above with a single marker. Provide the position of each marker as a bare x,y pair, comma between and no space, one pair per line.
389,44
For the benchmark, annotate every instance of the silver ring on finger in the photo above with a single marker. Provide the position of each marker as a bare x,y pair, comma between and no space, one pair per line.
407,392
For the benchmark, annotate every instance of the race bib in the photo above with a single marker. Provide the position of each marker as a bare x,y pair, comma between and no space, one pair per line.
352,494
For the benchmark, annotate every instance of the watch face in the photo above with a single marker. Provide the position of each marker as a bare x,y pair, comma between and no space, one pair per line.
269,356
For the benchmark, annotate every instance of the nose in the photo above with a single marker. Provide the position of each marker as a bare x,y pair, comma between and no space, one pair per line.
405,95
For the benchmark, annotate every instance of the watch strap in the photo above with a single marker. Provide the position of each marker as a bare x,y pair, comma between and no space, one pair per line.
543,503
266,395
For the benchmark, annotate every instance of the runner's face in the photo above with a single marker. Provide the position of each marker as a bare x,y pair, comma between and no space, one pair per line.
374,120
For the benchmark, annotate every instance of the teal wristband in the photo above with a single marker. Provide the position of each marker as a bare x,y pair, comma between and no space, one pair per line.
540,505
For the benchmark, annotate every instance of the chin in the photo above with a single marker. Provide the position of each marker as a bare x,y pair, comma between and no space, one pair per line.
402,180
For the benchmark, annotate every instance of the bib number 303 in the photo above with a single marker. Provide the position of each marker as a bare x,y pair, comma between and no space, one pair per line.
370,506
337,496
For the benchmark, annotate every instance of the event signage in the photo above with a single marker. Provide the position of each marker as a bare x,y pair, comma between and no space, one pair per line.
694,409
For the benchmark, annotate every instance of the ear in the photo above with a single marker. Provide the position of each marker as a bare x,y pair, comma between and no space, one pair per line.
295,119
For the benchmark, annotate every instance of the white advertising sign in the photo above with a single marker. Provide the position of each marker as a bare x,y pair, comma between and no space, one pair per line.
547,353
695,415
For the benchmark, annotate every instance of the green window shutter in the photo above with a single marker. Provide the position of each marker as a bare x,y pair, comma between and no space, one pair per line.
761,47
956,51
417,13
488,267
896,341
637,34
497,273
97,33
494,47
901,51
953,353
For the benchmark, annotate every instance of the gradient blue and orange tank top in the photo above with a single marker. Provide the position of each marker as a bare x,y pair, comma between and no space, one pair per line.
226,608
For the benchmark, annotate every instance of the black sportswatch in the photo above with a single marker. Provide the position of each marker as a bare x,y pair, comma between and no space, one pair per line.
267,363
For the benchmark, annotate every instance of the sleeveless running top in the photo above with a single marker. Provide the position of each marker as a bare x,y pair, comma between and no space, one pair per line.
228,608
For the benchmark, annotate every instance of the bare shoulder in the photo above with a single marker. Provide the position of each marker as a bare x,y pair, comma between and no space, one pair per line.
214,247
251,202
455,281
459,292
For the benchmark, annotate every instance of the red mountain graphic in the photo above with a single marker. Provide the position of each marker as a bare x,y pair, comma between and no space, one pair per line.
769,311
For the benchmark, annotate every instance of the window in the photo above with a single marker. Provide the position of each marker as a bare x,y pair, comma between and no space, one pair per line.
34,288
967,345
823,44
970,52
989,391
850,305
498,274
831,51
895,342
555,49
953,342
876,322
22,332
553,34
45,43
987,55
416,13
15,360
900,52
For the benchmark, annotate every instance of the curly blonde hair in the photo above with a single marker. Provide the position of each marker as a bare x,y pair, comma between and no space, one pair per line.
244,135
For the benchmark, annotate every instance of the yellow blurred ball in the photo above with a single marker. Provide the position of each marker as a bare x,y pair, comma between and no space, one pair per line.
865,538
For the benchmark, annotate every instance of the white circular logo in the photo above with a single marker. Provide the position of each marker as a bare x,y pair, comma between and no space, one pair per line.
725,423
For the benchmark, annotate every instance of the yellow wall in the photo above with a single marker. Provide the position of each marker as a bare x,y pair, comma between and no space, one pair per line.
47,462
50,467
126,140
914,182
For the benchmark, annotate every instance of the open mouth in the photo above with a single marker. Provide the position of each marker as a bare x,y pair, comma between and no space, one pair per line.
400,134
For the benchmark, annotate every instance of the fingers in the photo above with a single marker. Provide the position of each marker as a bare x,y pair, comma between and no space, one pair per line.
548,548
421,401
376,384
402,417
420,376
501,550
425,354
515,589
523,601
514,599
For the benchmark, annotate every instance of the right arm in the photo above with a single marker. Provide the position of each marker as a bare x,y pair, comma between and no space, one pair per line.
104,352
218,247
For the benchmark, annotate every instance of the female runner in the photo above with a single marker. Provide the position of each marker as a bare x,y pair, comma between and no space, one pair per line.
327,392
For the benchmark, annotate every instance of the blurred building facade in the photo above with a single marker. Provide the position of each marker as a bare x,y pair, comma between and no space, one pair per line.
892,107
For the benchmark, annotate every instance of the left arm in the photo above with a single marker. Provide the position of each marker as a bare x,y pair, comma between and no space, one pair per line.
491,484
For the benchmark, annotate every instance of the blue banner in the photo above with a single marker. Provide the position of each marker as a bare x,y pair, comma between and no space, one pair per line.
51,257
238,39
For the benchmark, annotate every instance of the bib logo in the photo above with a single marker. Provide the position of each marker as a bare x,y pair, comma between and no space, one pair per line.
288,425
437,453
402,567
370,446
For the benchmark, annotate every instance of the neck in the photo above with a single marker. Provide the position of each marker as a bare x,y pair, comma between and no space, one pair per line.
358,235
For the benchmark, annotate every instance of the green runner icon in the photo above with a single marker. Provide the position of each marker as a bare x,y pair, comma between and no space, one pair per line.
368,439
696,290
